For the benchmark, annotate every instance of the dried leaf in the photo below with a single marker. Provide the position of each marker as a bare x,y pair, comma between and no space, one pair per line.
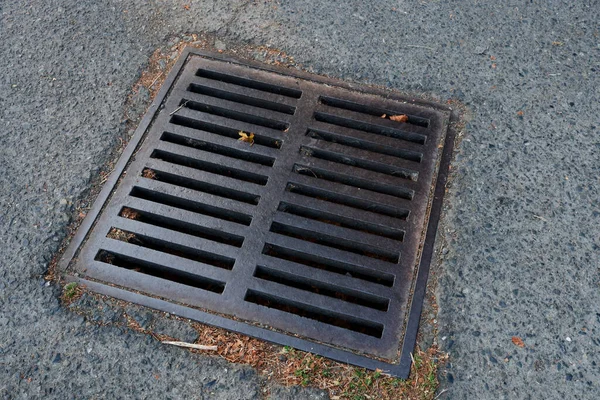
518,341
129,213
186,6
246,137
148,173
520,113
399,118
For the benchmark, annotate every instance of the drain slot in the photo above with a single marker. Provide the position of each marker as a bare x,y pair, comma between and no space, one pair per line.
365,145
360,163
334,219
252,84
319,173
325,264
160,271
370,128
205,187
217,149
374,111
182,226
259,139
189,205
347,200
178,250
209,167
314,313
334,242
240,98
236,115
321,288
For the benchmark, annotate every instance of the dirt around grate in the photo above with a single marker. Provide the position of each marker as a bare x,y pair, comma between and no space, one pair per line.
279,365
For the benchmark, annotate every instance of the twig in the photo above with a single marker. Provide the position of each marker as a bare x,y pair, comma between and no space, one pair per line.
191,345
538,217
417,46
106,176
440,393
309,170
155,79
416,372
179,108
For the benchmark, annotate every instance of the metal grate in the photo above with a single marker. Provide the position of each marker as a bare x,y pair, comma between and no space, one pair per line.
308,235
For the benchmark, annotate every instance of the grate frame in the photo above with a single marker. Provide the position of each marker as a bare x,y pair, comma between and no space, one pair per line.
390,354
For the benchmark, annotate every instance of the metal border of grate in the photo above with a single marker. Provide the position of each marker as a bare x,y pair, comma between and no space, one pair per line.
402,368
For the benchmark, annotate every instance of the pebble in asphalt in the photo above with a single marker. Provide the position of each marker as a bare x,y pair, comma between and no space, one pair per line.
522,215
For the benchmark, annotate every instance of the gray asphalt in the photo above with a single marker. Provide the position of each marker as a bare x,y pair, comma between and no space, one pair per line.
521,230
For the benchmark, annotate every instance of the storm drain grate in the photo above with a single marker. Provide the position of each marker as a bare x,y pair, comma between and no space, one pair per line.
308,232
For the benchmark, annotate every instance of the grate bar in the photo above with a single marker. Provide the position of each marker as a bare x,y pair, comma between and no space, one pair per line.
371,128
181,244
337,255
251,79
141,206
281,250
268,117
341,216
411,132
344,284
190,200
376,179
231,160
183,293
366,141
373,201
316,322
326,305
217,86
351,180
220,144
134,252
216,168
364,242
377,108
205,181
362,159
207,227
263,135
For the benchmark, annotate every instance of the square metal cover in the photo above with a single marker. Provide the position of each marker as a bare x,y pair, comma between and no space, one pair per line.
314,231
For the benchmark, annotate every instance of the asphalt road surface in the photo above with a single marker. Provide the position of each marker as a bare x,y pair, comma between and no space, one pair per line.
522,222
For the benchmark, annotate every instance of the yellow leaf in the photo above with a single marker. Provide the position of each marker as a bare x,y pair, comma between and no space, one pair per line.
246,137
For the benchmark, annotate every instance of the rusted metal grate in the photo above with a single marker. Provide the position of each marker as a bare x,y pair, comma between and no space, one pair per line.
308,235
